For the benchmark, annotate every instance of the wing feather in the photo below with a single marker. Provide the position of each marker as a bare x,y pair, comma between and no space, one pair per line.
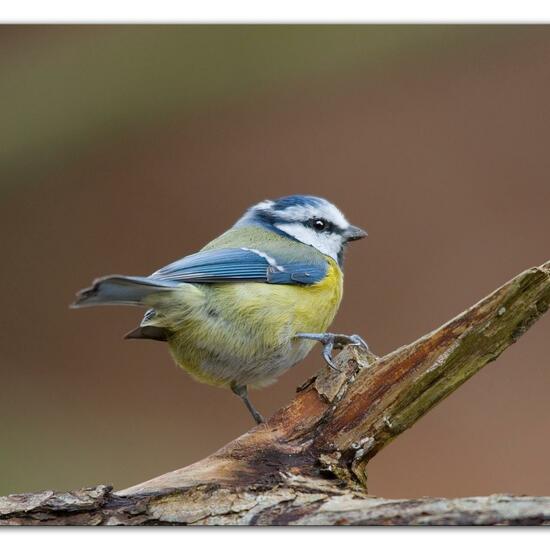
240,264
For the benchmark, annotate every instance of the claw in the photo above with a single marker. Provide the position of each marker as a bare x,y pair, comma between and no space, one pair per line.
327,354
334,341
356,340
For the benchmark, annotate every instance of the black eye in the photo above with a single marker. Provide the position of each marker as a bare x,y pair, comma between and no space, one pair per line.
319,225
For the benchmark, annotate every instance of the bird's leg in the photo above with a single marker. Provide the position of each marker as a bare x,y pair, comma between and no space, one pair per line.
242,392
332,341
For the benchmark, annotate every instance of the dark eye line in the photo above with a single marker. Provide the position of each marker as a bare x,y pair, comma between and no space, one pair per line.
319,224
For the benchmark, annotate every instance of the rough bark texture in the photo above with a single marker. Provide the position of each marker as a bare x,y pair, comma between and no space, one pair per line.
277,505
307,463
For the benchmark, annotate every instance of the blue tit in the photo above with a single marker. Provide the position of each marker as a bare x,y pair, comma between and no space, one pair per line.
253,302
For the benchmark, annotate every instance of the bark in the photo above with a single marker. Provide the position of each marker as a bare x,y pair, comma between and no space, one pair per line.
319,504
307,463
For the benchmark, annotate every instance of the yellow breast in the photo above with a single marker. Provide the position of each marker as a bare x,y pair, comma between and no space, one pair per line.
245,331
317,305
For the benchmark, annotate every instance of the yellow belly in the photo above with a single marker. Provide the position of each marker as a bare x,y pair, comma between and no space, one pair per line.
245,332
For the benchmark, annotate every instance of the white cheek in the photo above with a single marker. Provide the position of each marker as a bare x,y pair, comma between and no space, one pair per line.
327,244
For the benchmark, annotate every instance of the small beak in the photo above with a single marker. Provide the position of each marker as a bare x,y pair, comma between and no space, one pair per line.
354,233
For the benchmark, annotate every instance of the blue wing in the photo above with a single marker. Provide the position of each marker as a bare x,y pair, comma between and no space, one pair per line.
241,264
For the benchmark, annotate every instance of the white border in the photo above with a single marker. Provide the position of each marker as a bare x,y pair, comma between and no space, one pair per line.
280,11
250,538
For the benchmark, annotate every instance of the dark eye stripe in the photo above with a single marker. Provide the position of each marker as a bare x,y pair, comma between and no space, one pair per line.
268,219
326,227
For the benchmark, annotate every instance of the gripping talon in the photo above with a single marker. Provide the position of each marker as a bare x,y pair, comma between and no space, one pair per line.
332,341
327,355
356,340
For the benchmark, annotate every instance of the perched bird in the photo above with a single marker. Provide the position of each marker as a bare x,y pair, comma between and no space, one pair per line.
253,302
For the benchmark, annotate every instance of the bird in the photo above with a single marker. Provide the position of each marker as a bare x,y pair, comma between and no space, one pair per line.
250,304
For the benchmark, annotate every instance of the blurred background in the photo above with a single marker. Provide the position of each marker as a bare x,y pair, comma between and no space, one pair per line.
123,148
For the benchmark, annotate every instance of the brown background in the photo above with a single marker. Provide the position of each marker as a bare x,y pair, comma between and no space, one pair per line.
124,148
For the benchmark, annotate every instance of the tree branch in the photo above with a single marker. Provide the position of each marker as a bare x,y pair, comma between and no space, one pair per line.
307,463
277,506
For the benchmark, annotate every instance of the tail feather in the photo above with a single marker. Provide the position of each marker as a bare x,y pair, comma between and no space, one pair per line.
120,290
149,333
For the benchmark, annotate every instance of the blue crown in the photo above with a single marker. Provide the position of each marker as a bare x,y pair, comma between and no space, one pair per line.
297,200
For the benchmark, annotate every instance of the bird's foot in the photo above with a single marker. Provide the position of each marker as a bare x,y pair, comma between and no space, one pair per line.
242,392
332,341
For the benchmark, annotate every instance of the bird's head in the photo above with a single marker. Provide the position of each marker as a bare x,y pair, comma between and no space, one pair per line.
310,220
